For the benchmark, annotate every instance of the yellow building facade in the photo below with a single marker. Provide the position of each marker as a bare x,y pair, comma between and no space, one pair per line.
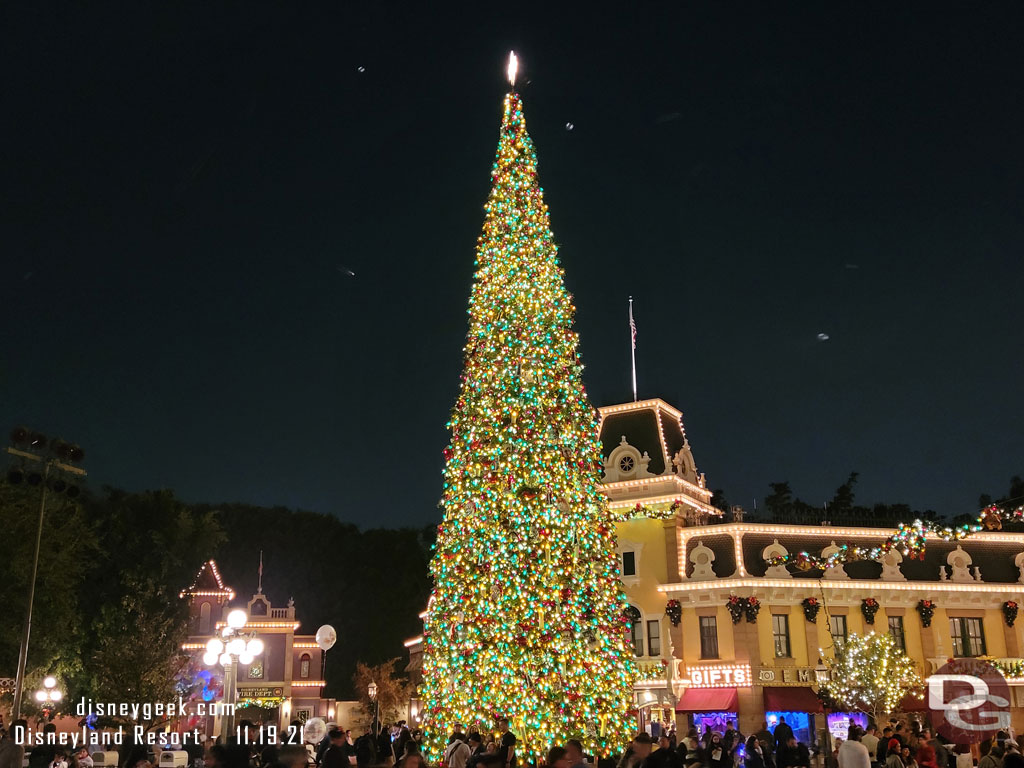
699,666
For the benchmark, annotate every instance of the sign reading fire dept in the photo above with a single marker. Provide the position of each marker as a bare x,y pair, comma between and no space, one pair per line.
720,676
252,692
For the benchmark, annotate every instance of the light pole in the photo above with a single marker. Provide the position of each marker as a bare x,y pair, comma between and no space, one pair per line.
37,444
372,690
233,646
49,695
821,676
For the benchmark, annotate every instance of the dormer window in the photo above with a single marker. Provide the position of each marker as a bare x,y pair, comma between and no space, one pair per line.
626,464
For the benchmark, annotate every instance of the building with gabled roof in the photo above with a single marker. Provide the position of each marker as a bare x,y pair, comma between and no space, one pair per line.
285,682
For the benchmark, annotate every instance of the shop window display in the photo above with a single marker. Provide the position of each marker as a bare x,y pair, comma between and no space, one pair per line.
800,722
715,721
839,723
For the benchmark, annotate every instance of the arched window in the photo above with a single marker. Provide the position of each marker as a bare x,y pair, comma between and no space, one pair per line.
204,619
636,630
304,666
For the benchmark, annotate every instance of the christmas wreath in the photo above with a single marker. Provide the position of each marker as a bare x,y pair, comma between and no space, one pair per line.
869,607
674,611
751,608
1010,612
735,606
926,609
811,608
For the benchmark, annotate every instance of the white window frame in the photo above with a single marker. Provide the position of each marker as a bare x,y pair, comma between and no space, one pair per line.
623,546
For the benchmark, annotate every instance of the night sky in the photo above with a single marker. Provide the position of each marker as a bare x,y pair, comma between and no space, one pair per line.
186,186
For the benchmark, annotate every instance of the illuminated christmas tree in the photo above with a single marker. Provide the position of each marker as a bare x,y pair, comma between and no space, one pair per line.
526,620
870,674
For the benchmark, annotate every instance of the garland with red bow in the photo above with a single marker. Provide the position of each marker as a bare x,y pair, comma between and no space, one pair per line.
909,540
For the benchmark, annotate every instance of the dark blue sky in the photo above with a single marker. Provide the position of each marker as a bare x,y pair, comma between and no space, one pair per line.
182,183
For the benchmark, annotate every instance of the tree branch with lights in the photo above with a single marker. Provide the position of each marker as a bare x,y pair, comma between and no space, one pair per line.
870,674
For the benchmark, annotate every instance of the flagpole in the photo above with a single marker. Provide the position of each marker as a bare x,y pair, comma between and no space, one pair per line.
632,351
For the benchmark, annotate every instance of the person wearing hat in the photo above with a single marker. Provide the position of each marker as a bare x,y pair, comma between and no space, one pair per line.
336,755
893,758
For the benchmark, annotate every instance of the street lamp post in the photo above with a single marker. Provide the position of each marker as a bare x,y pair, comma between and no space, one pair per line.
49,695
821,676
37,445
234,646
372,690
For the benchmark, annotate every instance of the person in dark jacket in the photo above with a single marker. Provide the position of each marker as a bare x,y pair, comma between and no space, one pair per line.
715,754
793,755
404,737
756,755
637,753
366,749
476,748
783,733
664,756
384,753
766,738
732,738
336,755
42,755
11,752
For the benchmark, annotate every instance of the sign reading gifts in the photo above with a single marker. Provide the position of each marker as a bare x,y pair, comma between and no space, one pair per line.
720,676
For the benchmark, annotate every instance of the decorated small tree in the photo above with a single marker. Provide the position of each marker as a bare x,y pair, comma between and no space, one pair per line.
526,620
869,674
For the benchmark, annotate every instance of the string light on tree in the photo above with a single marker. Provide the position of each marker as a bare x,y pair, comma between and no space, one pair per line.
526,620
869,674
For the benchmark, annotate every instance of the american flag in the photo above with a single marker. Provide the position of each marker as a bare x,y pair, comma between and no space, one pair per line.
632,323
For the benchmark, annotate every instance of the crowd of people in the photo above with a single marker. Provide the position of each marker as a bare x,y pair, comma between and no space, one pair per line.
719,749
12,754
896,745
